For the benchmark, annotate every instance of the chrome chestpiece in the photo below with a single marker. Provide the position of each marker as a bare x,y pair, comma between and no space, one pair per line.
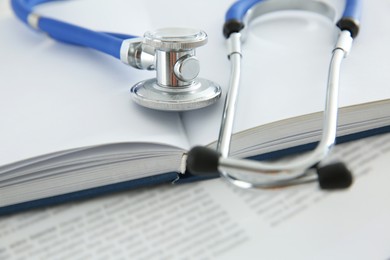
171,52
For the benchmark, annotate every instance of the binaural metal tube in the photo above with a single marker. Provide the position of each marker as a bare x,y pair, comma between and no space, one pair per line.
226,129
276,174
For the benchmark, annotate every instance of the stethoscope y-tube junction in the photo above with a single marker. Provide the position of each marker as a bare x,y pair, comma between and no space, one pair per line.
306,168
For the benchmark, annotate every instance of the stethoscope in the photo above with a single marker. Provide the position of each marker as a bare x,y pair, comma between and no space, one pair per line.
177,87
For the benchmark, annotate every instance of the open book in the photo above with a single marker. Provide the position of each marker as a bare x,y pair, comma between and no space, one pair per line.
68,124
214,220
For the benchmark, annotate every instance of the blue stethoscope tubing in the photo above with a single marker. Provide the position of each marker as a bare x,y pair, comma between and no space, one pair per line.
237,12
246,173
109,43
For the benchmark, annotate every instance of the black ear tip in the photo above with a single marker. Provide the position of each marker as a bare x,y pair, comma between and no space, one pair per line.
334,176
202,161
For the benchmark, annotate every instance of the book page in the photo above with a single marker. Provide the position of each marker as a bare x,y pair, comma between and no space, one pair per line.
285,65
213,220
55,96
